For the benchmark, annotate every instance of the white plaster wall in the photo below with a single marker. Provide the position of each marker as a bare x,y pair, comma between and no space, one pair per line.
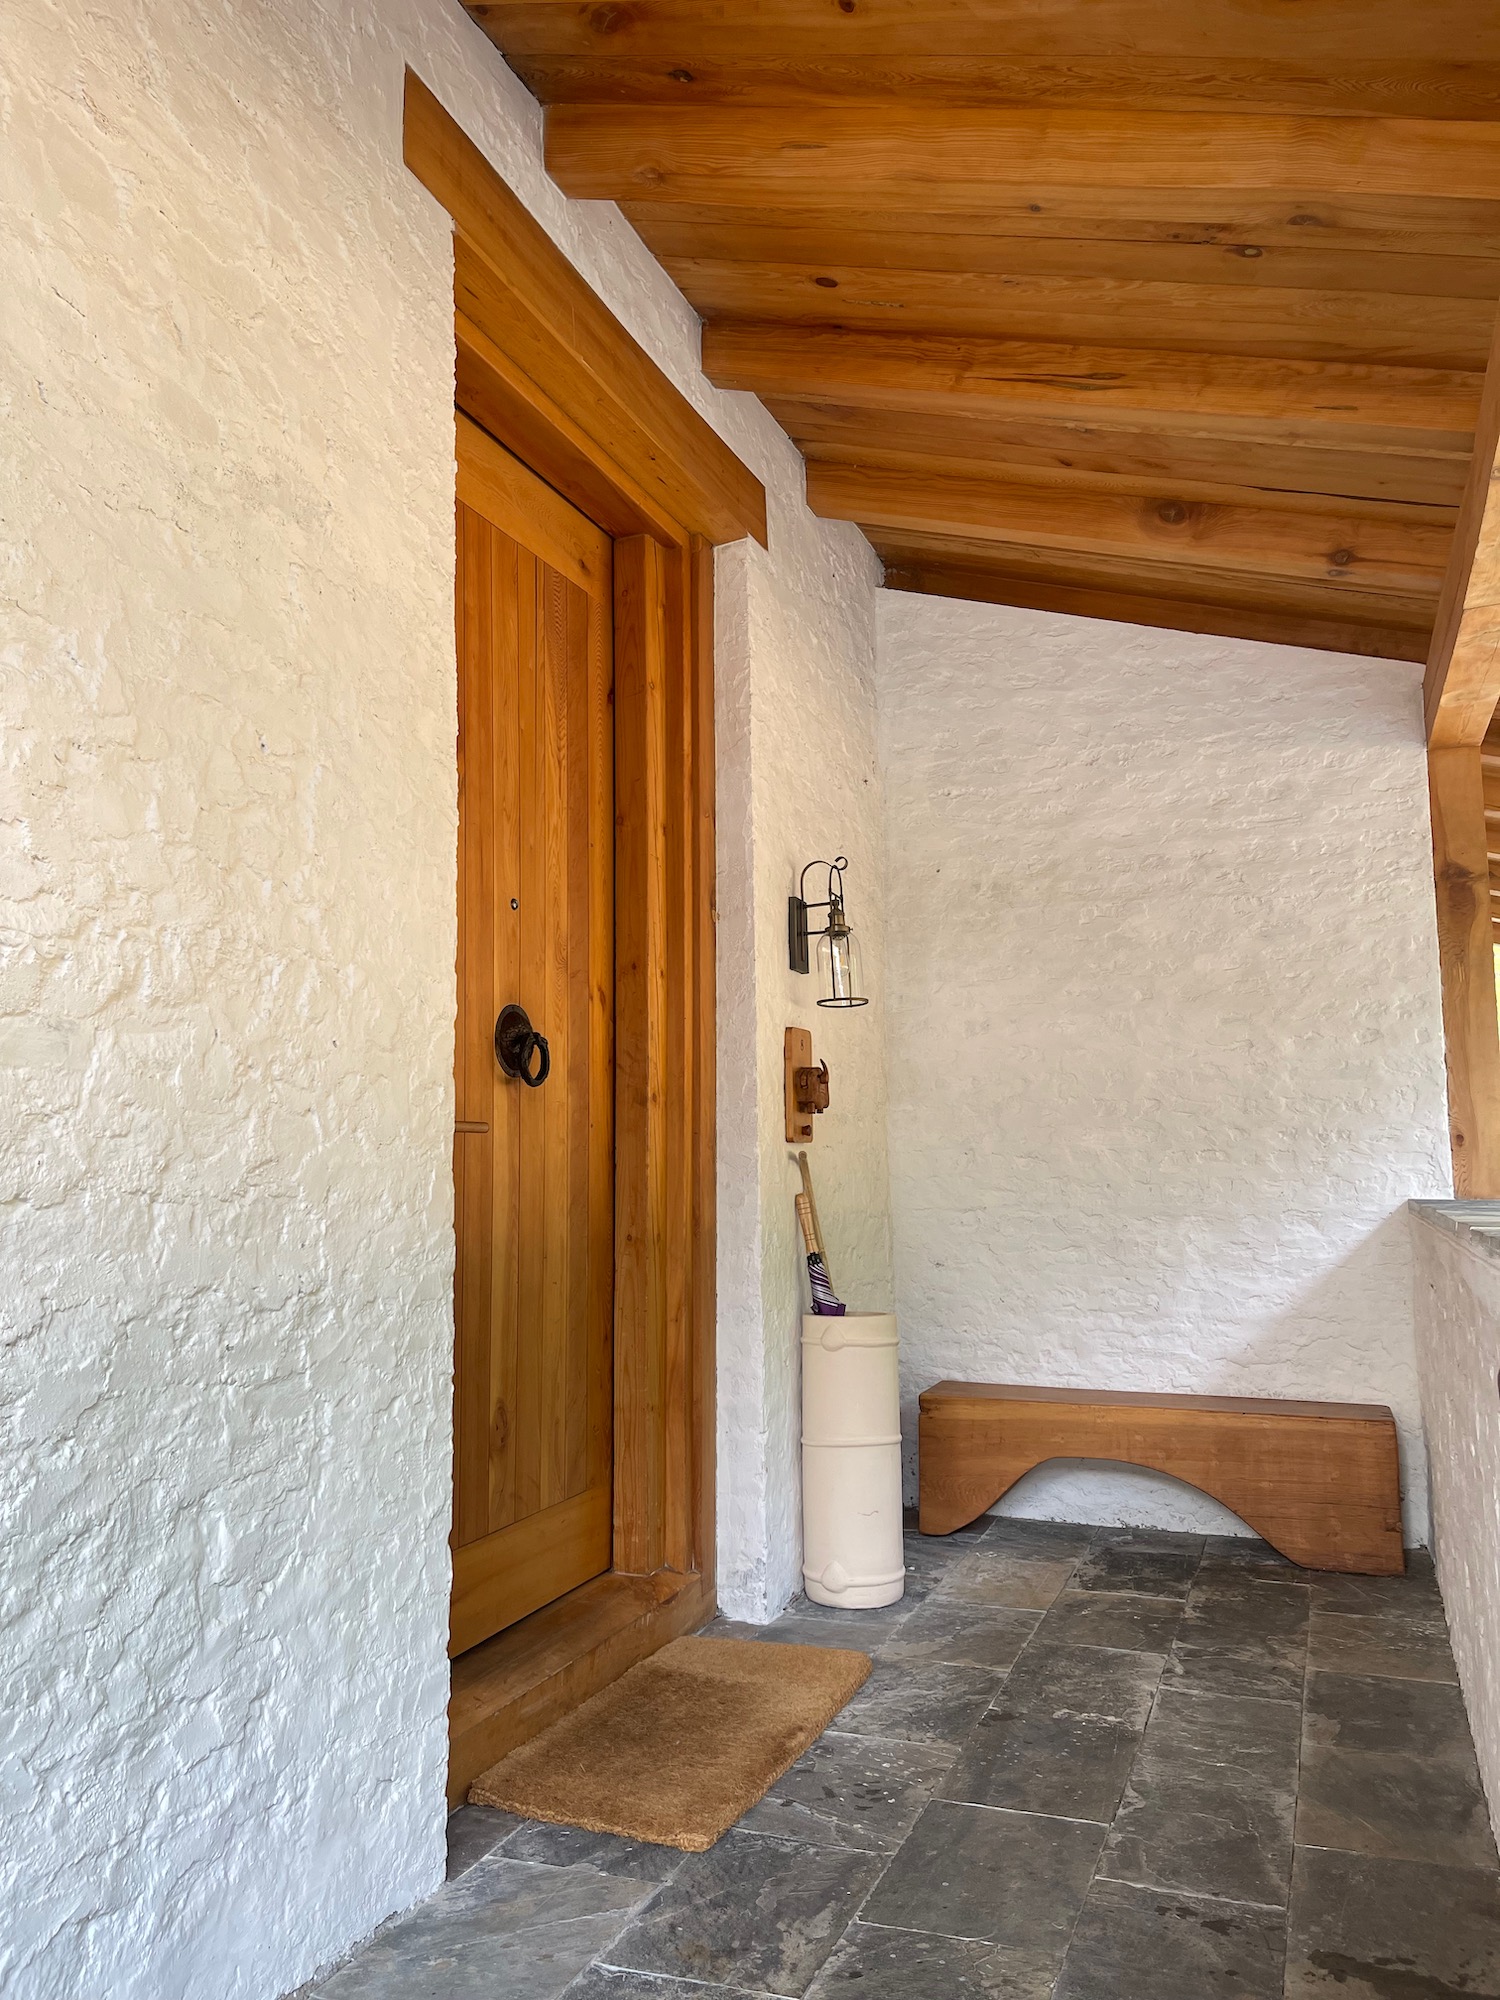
1458,1352
1165,1046
799,781
227,867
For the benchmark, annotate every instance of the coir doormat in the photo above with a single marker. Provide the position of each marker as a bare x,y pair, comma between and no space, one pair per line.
681,1745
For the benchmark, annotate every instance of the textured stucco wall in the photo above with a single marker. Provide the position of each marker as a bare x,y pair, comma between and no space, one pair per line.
1458,1353
797,747
1165,1047
227,863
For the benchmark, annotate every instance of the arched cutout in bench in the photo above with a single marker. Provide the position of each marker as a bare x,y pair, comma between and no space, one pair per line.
1319,1481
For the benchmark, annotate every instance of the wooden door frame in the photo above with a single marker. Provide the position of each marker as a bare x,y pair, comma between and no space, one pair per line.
544,366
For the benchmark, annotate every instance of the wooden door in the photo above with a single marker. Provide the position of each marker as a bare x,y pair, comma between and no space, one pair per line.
533,1168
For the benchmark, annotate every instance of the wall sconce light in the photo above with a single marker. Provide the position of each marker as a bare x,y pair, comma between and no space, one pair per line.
839,971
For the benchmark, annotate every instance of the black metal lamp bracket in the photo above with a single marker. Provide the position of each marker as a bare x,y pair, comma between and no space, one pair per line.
797,907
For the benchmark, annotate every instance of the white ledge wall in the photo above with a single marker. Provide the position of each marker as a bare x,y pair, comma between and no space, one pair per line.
227,858
1165,1049
1458,1350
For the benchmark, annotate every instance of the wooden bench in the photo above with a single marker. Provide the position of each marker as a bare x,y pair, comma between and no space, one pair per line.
1319,1481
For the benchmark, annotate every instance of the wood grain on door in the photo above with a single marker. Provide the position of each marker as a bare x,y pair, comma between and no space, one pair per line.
533,1168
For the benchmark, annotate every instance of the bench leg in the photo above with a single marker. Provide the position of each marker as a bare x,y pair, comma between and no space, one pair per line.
960,1477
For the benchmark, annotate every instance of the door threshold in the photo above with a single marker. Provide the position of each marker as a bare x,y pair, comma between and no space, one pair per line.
509,1689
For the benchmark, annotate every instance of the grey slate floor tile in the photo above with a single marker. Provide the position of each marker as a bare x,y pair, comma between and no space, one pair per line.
1364,1928
852,1791
753,1912
921,1704
1242,1636
947,1632
1210,1802
1062,1734
464,1963
929,1558
1246,1557
475,1831
730,1628
518,1895
1154,1944
608,1982
808,1624
1414,1595
1388,1768
1010,1879
1005,1581
503,1927
1056,1540
873,1963
563,1846
942,1841
1389,1644
1128,1620
1151,1565
971,1531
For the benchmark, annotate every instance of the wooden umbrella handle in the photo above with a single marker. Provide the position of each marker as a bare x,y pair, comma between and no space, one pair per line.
809,1232
812,1206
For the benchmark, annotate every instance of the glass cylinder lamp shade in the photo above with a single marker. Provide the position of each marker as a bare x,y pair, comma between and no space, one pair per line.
840,970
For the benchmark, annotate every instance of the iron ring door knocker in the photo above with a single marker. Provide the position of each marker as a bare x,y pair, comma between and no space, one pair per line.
516,1042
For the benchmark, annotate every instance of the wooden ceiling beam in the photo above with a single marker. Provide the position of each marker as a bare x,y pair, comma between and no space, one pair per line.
1398,555
1148,459
1291,402
1376,234
972,244
1313,31
1150,488
1461,689
1303,325
766,75
953,244
863,156
1084,569
936,578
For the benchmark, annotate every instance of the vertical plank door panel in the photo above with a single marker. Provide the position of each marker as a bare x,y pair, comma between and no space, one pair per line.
475,602
533,1167
597,709
572,665
498,942
526,879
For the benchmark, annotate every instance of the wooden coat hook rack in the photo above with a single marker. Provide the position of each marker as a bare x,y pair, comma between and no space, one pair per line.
806,1086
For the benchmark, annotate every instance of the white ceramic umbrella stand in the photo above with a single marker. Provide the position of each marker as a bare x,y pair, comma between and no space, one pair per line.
851,1460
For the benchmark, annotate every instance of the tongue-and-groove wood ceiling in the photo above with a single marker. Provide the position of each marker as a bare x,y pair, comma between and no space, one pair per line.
1171,311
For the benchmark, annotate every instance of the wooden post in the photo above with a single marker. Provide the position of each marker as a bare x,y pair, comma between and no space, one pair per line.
641,1183
1460,695
1463,667
1467,960
705,1158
